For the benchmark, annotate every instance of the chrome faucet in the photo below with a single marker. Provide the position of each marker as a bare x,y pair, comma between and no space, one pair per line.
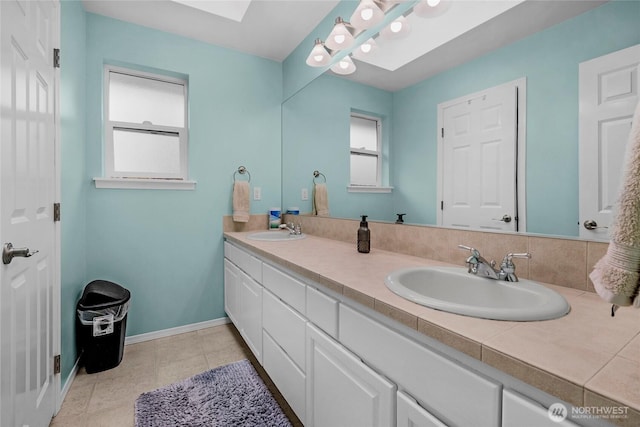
481,267
293,229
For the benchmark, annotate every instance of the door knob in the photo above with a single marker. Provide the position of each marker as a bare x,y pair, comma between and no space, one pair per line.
591,225
505,218
9,253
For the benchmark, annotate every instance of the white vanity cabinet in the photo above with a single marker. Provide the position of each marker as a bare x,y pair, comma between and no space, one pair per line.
338,364
453,392
243,295
343,391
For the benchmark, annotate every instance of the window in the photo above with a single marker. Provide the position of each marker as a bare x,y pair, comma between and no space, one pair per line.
366,155
146,137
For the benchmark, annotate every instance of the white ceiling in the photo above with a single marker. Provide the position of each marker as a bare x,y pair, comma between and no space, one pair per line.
269,28
274,28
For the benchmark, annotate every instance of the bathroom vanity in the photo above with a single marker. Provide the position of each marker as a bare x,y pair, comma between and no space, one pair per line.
345,351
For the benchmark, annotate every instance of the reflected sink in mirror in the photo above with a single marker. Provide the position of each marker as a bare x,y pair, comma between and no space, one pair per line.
275,236
454,290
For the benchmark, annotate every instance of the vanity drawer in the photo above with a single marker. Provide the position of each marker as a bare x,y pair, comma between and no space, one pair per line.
518,409
289,379
437,382
285,326
247,263
285,287
410,414
322,311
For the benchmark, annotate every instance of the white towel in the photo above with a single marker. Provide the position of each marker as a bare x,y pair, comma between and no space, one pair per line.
241,201
616,277
321,199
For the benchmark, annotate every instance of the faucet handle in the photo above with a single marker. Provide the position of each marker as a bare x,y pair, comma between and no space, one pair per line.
474,251
507,260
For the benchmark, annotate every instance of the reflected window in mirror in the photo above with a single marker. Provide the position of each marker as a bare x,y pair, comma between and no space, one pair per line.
365,151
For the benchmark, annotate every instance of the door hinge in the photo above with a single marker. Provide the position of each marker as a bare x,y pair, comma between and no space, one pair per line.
441,205
56,364
56,212
56,58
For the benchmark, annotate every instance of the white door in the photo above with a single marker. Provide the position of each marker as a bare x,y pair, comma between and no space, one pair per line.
479,138
608,96
28,286
341,390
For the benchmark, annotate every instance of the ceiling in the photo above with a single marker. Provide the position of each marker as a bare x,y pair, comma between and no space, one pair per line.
267,28
274,28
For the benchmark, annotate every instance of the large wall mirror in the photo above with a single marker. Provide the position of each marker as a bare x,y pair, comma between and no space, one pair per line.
552,39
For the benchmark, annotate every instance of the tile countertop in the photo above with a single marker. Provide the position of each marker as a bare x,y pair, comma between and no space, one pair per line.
586,358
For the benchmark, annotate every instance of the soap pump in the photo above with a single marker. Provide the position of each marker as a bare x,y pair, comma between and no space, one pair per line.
364,236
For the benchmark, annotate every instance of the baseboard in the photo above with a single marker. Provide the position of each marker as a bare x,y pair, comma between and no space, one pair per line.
141,338
175,331
67,384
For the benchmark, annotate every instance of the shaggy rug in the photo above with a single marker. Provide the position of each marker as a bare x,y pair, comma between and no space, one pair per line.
230,395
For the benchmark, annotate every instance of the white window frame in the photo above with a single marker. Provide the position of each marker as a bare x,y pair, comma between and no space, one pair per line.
377,154
137,180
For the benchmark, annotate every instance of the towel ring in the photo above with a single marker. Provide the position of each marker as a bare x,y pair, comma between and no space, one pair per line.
317,174
242,170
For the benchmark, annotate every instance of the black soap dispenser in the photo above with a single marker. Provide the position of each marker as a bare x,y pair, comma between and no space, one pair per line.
364,236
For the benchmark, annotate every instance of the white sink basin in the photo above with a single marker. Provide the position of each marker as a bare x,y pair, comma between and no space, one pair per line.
275,236
455,290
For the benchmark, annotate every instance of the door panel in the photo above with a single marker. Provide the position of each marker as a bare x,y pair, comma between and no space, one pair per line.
29,30
608,96
479,160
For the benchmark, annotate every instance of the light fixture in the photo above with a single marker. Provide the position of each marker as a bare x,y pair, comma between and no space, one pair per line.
340,37
344,66
367,15
319,55
398,28
431,8
365,49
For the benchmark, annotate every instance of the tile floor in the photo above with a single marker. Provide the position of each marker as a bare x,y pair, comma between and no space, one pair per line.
107,398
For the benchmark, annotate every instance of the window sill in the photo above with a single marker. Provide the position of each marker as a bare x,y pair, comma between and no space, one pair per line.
364,189
144,184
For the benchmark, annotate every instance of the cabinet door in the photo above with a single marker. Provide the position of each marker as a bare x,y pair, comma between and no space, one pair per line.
410,414
343,391
231,285
251,314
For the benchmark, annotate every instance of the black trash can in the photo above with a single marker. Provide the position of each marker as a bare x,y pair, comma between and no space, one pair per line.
101,324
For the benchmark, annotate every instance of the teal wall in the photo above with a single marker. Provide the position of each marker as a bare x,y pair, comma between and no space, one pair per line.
165,246
74,185
549,60
315,135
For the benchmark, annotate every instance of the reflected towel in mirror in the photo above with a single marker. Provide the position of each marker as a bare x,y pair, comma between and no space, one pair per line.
320,200
616,277
241,201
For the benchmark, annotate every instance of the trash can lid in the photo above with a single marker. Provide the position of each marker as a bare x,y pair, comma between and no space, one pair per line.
101,294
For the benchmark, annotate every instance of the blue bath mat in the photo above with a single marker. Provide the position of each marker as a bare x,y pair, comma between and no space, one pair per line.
230,395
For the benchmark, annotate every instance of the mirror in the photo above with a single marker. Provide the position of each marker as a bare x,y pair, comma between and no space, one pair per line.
315,120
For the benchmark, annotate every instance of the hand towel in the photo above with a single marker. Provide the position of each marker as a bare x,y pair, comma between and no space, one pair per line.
616,277
321,199
241,201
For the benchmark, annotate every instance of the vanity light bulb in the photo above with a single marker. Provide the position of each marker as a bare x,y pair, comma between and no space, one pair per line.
344,65
366,14
365,48
433,3
396,26
318,58
339,38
